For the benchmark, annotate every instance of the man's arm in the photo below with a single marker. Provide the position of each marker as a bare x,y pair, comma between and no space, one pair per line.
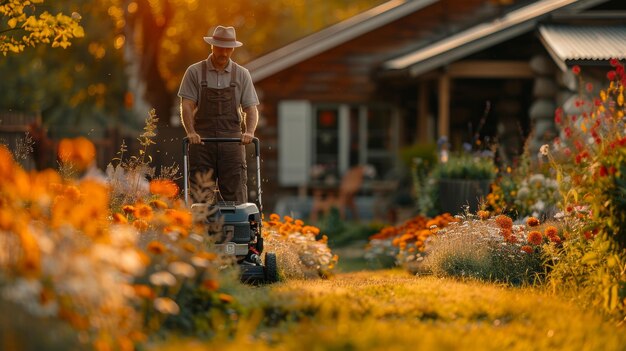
252,118
187,109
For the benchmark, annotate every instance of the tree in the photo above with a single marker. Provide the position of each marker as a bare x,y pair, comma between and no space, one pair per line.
163,37
78,90
23,24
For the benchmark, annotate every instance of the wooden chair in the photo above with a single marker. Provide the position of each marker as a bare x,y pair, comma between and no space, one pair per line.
342,197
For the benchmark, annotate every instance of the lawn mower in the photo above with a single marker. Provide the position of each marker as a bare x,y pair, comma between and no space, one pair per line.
241,227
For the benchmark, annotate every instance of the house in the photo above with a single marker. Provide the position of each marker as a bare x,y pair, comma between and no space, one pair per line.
414,71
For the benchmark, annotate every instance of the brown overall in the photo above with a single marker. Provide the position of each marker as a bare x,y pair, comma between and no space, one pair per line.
217,117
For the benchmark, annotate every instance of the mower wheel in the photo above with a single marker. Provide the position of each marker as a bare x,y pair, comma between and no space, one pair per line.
271,268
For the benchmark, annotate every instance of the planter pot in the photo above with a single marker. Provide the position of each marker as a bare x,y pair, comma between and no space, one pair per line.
455,194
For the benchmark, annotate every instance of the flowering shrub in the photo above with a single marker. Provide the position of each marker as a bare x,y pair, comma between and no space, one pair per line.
590,160
489,248
406,242
299,253
523,194
116,275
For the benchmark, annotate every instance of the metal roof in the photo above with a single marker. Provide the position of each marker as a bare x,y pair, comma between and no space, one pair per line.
481,36
332,36
570,44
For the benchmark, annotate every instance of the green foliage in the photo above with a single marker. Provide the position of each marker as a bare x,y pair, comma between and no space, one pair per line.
466,167
427,153
590,161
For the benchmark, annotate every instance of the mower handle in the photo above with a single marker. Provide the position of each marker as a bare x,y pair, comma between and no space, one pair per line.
257,152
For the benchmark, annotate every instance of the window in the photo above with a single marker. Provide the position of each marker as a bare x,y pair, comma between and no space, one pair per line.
346,136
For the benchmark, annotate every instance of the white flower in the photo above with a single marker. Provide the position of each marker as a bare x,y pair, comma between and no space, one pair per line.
199,262
166,305
162,278
129,261
544,149
182,269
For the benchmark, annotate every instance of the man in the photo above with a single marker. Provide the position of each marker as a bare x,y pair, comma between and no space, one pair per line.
212,93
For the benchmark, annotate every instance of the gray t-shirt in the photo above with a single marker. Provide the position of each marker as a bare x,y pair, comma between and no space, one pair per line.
245,94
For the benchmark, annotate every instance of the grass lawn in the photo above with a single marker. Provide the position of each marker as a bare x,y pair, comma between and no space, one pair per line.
392,310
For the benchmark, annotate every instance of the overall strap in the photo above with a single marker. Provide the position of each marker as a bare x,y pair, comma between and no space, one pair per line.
233,75
204,69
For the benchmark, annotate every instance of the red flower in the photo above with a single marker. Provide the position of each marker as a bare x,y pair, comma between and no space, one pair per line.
603,171
611,75
558,114
568,132
589,87
576,70
614,62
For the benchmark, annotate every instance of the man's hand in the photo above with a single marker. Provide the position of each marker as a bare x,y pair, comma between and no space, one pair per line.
194,138
246,138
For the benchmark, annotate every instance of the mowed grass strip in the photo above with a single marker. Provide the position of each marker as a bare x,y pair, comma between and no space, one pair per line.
392,310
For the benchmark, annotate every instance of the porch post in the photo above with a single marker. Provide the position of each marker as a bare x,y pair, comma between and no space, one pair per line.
443,124
422,113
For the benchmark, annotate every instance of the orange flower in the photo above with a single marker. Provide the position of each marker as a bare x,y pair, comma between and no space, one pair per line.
288,219
144,291
527,249
165,187
128,209
506,232
79,152
274,217
550,231
72,193
535,237
225,298
156,247
141,225
6,162
119,218
179,218
309,229
211,284
555,239
143,211
210,256
159,204
504,222
483,215
532,222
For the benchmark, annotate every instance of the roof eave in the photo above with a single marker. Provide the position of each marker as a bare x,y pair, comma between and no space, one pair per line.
480,37
332,36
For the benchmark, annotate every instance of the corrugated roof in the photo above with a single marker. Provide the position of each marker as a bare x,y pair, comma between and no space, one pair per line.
569,44
481,36
332,36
